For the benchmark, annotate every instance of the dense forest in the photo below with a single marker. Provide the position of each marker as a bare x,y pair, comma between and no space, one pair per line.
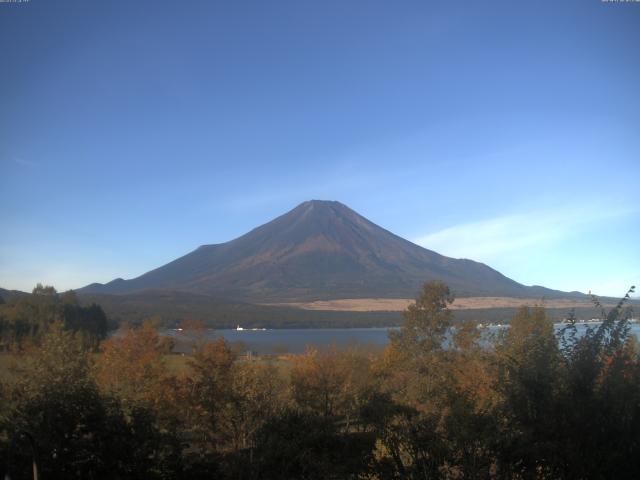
169,309
437,403
27,318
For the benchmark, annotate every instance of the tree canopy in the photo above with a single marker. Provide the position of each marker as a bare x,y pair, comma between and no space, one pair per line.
442,401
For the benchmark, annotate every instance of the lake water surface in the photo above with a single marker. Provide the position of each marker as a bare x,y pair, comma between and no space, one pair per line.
287,340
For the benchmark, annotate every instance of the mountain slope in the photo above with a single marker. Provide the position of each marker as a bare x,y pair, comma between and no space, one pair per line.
319,250
9,295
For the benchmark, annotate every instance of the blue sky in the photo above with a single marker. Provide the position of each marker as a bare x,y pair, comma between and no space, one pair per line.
506,132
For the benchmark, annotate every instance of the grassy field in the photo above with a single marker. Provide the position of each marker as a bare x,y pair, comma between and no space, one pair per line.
466,303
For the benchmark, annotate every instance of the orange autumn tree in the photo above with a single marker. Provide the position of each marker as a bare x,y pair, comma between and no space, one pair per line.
331,383
210,395
132,366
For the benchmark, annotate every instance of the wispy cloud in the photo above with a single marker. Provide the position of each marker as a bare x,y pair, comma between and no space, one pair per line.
490,238
25,163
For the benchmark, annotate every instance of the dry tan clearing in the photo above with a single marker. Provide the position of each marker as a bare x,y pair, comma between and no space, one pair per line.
399,304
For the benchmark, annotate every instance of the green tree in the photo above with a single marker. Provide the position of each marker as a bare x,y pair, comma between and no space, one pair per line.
54,400
426,321
25,319
530,381
307,446
600,425
416,376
